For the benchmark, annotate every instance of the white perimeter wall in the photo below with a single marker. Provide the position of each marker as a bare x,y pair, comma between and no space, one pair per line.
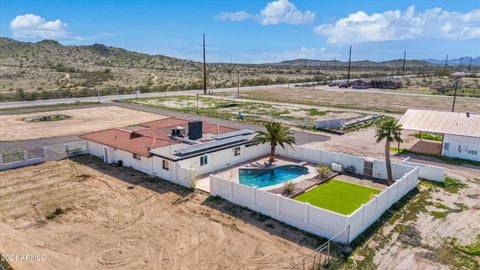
316,156
465,143
432,173
312,219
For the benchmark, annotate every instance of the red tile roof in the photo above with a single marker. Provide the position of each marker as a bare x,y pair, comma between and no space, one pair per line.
130,141
165,123
156,134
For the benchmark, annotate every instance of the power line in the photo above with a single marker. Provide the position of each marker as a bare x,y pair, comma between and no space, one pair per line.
204,68
349,63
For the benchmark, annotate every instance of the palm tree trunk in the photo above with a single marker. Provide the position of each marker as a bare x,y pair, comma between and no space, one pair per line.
388,163
272,153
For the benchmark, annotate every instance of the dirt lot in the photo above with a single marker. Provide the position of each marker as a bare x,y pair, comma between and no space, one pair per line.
12,127
113,218
362,100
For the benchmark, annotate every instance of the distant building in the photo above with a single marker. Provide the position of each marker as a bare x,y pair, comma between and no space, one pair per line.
461,131
362,84
377,83
458,75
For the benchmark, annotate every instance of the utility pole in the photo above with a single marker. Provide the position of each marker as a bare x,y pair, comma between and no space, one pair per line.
470,65
238,83
404,58
349,63
446,62
204,68
455,95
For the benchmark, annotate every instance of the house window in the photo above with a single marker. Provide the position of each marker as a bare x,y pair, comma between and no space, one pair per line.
203,160
446,146
137,156
236,151
165,165
473,152
459,149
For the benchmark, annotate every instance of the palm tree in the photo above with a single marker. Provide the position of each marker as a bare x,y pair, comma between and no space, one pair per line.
275,134
388,130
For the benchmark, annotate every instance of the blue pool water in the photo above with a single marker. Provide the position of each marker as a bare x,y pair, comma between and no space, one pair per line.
268,177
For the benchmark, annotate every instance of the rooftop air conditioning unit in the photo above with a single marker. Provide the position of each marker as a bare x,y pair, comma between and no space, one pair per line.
178,131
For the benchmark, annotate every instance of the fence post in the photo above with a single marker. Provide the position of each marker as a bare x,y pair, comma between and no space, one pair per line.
363,214
1,159
306,209
66,150
25,155
45,153
230,191
211,185
253,198
278,203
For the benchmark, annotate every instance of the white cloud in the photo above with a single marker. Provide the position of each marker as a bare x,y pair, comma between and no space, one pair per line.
233,16
275,12
434,23
34,26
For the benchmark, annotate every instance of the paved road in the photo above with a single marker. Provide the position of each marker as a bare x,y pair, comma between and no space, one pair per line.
301,137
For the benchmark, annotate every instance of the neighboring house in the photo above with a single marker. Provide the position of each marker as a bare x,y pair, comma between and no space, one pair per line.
362,84
386,83
168,147
461,131
377,83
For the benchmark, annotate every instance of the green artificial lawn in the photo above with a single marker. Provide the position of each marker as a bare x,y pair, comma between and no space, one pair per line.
338,196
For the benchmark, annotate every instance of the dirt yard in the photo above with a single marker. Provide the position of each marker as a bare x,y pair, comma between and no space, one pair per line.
12,127
113,218
376,102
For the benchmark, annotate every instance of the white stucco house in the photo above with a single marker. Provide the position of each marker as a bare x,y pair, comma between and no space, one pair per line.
170,148
461,131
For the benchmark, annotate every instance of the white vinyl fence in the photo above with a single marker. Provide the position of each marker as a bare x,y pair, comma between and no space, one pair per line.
18,158
315,156
317,220
310,218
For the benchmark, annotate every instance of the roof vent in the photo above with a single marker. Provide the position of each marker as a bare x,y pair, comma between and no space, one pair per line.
468,114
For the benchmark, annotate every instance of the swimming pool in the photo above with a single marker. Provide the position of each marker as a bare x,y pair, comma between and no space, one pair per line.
268,177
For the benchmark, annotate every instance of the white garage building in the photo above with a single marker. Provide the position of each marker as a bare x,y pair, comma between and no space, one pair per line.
461,131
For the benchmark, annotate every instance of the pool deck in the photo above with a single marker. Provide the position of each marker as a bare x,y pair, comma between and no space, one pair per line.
231,173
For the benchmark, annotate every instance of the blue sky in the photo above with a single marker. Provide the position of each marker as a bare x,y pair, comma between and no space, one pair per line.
254,31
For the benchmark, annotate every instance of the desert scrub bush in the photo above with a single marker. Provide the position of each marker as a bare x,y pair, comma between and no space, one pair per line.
288,187
323,170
